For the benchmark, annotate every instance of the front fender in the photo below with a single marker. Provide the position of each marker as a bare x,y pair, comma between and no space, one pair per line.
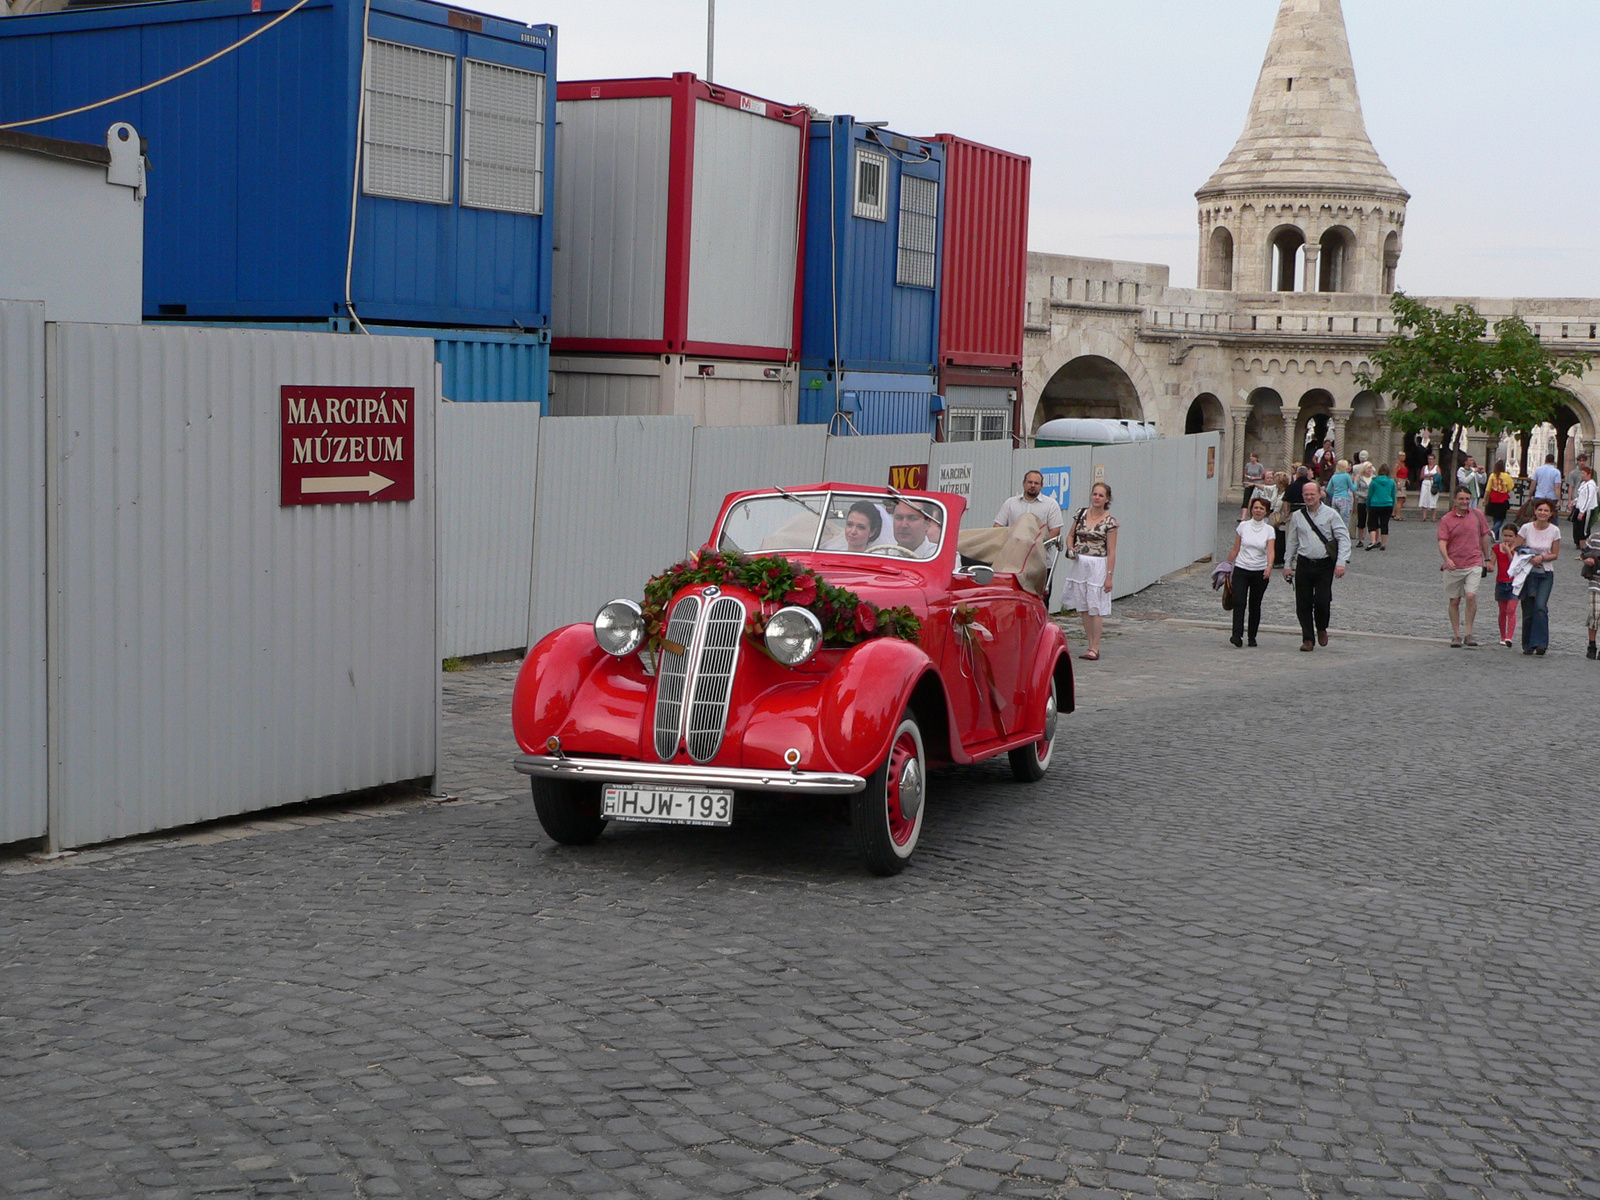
860,703
570,688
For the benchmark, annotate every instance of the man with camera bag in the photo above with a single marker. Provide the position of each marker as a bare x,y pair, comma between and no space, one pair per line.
1318,549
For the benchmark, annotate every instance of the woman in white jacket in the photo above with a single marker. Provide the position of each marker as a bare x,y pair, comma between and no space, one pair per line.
1584,502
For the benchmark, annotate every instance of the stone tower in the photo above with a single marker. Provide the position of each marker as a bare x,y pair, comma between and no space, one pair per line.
1303,202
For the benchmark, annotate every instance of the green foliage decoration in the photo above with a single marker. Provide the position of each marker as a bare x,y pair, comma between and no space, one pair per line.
846,618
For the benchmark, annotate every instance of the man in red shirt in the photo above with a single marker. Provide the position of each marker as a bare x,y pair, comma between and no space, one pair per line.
1465,546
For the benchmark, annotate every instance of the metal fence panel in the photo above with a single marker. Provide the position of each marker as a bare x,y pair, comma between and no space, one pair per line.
613,505
731,458
212,652
23,749
990,481
1156,498
868,459
488,458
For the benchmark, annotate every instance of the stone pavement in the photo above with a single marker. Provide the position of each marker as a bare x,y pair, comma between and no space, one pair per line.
1277,925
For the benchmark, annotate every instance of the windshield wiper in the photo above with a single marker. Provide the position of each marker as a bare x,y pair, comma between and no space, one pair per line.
932,513
791,496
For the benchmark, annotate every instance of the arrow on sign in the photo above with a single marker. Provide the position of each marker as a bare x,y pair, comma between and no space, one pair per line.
371,483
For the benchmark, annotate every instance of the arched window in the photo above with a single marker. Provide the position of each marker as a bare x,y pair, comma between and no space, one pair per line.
1335,260
1391,260
1287,244
1219,265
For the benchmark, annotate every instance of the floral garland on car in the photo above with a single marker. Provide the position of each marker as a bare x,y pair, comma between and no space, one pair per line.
846,618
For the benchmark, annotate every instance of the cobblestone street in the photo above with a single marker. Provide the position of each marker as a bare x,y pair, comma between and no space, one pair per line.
1276,925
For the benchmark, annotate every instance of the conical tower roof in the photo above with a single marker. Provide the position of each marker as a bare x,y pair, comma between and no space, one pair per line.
1305,130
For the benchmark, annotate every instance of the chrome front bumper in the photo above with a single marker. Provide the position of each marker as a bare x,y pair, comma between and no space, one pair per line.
618,770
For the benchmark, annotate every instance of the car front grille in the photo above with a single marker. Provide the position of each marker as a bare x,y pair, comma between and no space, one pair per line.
673,676
693,687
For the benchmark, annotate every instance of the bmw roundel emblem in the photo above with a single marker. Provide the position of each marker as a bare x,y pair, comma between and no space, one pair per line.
713,591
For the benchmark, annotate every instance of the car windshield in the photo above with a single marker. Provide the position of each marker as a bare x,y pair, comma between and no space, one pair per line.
834,523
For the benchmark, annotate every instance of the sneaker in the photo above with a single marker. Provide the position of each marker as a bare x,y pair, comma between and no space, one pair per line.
1239,641
1251,643
1506,642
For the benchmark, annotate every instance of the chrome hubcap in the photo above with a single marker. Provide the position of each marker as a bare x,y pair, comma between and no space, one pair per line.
911,790
1050,717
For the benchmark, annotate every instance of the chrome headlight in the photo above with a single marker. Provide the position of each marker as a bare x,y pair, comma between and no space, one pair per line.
793,635
619,628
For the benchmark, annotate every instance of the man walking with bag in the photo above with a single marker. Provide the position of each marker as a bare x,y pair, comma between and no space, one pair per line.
1318,549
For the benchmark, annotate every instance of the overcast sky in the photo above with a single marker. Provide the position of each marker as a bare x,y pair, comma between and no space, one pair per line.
1485,110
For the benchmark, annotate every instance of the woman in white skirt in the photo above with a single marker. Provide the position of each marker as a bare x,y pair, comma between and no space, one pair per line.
1092,541
1427,498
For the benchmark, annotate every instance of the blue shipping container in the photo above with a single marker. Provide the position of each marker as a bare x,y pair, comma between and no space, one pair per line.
873,250
253,156
874,401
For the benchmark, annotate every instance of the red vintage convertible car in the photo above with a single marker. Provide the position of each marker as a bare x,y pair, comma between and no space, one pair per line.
829,640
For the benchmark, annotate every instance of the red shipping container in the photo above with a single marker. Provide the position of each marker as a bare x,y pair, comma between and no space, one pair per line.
984,284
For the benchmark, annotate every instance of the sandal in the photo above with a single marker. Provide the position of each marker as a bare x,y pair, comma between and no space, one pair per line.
1092,655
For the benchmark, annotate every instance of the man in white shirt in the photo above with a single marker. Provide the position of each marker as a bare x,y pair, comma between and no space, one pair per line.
1547,480
1043,507
913,530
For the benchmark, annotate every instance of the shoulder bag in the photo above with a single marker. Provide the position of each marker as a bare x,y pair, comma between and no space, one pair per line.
1330,546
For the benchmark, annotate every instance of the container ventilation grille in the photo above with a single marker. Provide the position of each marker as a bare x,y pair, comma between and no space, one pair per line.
919,231
409,151
713,677
673,675
502,139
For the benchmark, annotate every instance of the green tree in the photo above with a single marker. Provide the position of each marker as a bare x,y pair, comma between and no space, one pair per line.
1443,371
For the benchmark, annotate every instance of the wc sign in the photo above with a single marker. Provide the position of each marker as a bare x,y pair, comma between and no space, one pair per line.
1057,485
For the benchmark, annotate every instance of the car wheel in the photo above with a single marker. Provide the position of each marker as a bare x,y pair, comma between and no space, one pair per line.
569,811
1029,764
887,813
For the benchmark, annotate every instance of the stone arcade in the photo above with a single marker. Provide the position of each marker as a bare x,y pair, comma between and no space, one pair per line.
1300,234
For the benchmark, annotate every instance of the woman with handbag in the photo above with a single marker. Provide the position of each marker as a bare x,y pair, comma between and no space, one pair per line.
1428,497
1252,557
1092,557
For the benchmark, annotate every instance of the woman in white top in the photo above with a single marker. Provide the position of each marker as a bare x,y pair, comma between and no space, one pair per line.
1584,501
1254,549
1543,536
1092,551
1427,498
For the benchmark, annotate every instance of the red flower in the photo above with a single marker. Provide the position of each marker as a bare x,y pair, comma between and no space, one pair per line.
804,591
866,618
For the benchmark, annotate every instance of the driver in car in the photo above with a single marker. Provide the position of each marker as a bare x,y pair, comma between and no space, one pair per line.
914,532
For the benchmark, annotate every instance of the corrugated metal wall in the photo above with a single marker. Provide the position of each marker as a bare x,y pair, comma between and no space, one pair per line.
214,653
732,459
492,367
743,228
488,459
23,749
985,254
613,158
1159,488
868,459
612,510
605,387
1077,462
992,471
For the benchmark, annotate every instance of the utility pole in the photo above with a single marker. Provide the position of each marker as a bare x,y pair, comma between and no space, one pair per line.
711,37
